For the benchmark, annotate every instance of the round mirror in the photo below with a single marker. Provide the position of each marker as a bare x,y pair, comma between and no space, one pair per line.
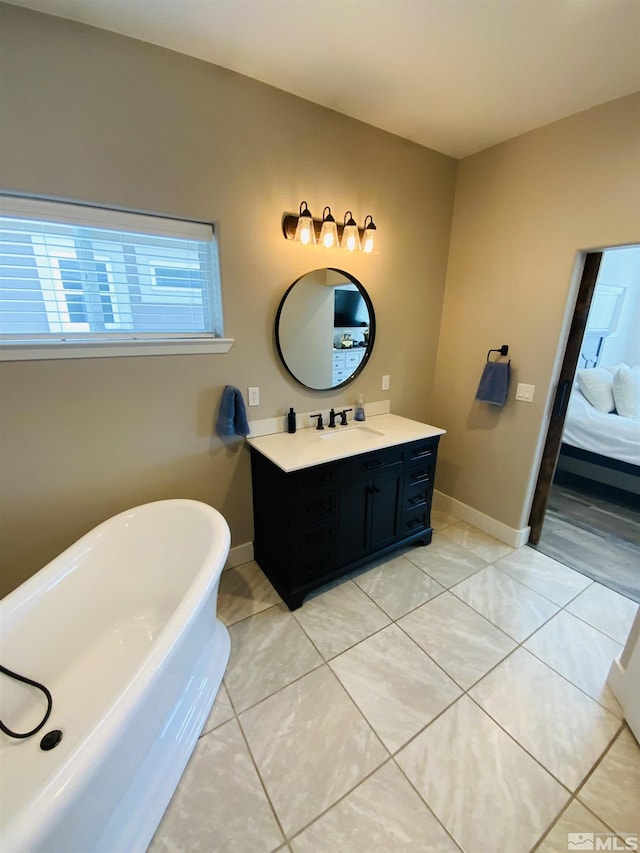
325,329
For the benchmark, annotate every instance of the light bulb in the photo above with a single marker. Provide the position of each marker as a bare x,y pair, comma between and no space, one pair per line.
350,236
329,230
369,236
305,232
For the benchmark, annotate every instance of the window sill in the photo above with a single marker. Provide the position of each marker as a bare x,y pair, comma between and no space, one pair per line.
112,349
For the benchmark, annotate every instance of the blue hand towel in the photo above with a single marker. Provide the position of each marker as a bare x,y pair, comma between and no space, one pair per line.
232,418
494,383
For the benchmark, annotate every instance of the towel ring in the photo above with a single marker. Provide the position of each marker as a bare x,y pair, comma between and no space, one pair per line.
504,349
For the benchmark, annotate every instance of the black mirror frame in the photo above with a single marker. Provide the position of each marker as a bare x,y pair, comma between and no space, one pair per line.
372,331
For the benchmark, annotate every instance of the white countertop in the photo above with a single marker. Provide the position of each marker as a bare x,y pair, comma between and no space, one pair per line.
310,446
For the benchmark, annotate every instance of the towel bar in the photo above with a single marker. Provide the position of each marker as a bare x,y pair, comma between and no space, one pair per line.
504,349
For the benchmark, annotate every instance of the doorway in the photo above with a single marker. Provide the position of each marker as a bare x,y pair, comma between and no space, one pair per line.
588,496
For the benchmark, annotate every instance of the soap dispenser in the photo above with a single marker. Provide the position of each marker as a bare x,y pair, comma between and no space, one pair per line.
291,421
359,414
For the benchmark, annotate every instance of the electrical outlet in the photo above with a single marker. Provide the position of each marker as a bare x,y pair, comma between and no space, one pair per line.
254,396
385,382
525,392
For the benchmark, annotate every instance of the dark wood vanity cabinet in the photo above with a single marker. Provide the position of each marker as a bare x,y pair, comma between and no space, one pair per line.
318,523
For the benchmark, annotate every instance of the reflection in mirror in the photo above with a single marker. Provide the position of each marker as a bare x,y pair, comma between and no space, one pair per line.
325,329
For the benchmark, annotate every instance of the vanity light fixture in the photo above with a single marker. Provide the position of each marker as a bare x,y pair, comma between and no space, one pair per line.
303,228
329,230
369,236
350,235
305,232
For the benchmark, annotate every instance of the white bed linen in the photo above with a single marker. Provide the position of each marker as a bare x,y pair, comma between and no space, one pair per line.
607,434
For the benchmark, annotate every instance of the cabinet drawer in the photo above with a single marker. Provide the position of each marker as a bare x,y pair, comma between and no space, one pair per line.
315,566
417,495
415,520
310,541
353,359
315,552
316,508
368,464
419,474
425,449
339,359
312,481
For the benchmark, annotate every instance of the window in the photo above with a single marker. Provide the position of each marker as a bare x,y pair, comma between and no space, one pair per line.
78,280
606,307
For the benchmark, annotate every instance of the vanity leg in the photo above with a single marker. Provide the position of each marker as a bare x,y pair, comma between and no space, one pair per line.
294,602
426,539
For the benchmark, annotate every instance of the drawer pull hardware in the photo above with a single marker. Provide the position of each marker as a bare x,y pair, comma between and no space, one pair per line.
420,476
421,454
377,464
418,499
318,508
318,536
312,482
415,523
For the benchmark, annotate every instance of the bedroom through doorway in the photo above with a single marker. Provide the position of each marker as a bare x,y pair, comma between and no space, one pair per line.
586,510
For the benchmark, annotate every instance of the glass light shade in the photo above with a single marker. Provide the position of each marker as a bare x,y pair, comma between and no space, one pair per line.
369,236
305,232
350,235
329,231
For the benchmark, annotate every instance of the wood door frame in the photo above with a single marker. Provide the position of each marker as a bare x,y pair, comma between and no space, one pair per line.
551,451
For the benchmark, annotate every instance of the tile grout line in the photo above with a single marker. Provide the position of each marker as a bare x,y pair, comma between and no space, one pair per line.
574,796
326,662
261,780
519,644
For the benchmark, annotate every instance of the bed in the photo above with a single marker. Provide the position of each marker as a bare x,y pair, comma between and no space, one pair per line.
600,446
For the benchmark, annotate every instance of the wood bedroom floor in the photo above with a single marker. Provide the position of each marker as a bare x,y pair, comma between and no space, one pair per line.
595,530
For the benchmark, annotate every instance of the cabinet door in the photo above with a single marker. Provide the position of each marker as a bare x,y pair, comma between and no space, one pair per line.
369,515
386,507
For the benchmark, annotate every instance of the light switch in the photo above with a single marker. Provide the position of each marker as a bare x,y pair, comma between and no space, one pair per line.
525,392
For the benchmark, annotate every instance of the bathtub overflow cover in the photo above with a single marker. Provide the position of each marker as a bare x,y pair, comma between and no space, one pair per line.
51,739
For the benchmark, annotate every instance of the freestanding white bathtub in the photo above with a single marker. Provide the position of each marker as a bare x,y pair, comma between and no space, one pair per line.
122,629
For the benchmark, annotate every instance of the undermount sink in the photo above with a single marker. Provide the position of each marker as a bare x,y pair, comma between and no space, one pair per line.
350,435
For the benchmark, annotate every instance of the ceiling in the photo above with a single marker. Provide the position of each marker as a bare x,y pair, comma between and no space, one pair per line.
453,75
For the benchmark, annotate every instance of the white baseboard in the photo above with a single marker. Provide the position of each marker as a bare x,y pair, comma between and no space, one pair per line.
238,555
509,535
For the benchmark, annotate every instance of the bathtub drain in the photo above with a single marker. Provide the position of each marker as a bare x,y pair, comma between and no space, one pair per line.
51,739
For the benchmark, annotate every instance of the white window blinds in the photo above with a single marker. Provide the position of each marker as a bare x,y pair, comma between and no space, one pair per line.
76,274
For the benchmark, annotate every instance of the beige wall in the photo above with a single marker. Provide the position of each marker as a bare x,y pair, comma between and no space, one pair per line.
524,211
89,115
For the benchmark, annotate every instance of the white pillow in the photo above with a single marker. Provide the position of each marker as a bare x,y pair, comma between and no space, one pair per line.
596,383
626,391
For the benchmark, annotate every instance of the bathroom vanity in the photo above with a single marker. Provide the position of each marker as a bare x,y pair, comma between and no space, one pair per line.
326,502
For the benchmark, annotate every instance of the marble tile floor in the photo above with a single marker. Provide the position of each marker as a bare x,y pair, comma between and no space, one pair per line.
449,698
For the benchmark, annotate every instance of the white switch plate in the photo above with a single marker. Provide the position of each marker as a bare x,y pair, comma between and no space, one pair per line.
385,382
254,396
525,392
